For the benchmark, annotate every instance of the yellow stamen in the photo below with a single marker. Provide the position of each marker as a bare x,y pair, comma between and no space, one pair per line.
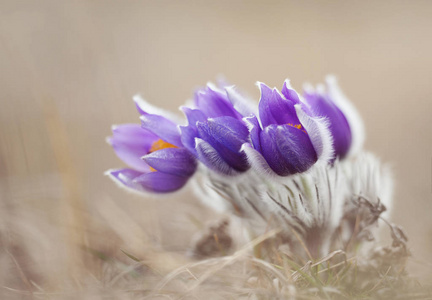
158,145
298,126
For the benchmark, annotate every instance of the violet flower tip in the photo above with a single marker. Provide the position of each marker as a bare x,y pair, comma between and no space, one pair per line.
186,109
108,172
197,140
320,89
183,108
244,146
139,102
230,90
308,88
263,87
108,140
248,118
276,90
179,127
287,83
331,79
230,87
211,86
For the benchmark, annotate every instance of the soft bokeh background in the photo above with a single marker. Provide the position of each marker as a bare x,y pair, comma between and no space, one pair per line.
70,68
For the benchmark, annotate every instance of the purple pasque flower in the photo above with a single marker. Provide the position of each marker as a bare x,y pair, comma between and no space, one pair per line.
328,102
287,138
322,105
345,124
216,131
158,161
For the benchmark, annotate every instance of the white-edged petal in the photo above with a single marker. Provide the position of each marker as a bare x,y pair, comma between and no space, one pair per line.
121,180
243,105
212,159
319,134
154,110
258,162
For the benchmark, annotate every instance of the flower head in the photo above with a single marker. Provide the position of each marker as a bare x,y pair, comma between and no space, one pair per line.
159,162
303,144
216,131
286,138
345,124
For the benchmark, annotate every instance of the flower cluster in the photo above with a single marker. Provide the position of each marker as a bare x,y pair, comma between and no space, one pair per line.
288,134
293,163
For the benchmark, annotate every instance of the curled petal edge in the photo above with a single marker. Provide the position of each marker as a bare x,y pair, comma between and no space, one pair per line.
243,105
254,128
121,184
319,134
211,158
174,161
145,108
163,128
130,185
258,162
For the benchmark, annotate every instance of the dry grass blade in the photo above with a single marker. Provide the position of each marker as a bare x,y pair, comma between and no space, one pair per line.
216,264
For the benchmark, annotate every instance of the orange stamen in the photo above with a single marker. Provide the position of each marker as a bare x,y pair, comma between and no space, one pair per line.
158,145
298,126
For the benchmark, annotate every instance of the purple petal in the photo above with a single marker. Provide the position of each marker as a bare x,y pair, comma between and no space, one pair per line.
141,105
274,109
163,128
158,182
350,112
226,135
319,134
283,110
235,129
215,104
265,114
295,145
287,150
190,132
193,115
175,161
257,161
125,177
322,106
131,142
212,159
243,105
254,131
155,182
271,153
290,93
188,135
145,108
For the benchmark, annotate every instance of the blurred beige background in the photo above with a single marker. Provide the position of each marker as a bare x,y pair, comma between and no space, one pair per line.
70,68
